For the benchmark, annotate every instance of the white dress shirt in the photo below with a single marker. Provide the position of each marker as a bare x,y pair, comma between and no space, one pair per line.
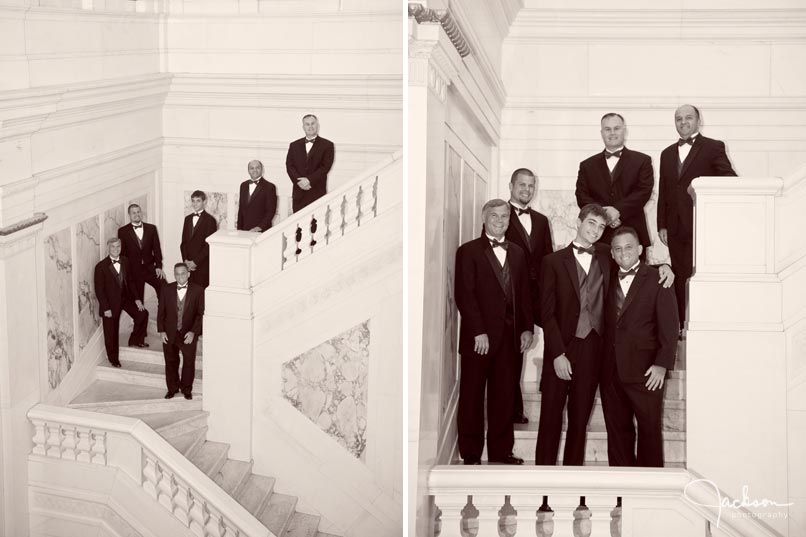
584,259
308,146
116,265
612,161
180,293
138,230
525,219
685,149
253,186
500,253
627,281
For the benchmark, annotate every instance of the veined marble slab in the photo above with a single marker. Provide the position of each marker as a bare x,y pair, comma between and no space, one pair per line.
59,297
114,218
88,251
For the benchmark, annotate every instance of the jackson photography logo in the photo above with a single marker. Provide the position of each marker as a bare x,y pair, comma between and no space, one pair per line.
705,489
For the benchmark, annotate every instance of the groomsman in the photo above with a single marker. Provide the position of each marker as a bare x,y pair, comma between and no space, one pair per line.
257,203
491,292
308,162
619,179
641,342
116,292
195,251
179,322
692,156
531,231
575,283
140,243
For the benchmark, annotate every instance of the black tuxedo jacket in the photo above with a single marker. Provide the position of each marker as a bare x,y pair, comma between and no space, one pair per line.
191,315
675,206
149,256
314,165
645,333
536,245
194,247
258,210
559,297
110,293
629,190
480,295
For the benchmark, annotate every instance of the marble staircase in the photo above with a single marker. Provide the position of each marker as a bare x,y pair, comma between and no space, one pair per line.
674,421
137,390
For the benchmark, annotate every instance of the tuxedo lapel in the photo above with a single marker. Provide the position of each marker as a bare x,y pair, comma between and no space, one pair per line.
496,266
620,166
570,263
692,154
640,279
114,272
249,197
516,222
604,267
533,237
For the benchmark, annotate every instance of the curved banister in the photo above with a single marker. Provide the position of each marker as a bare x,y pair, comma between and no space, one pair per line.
67,419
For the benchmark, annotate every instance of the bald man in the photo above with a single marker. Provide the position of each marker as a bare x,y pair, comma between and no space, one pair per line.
692,156
258,201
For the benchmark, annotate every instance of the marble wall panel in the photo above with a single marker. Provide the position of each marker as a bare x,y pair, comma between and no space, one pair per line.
216,206
114,218
88,253
59,305
328,384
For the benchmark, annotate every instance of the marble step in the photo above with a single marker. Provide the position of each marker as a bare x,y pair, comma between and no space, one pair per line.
674,447
322,534
142,374
188,442
150,355
209,457
233,476
170,424
255,493
278,512
302,525
124,399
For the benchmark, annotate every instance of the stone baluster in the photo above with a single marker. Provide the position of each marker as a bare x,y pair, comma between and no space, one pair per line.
352,206
615,519
488,512
198,516
214,524
564,507
54,440
183,501
507,519
469,523
456,512
69,444
544,519
166,489
84,444
98,447
327,233
39,438
367,201
600,508
582,519
150,475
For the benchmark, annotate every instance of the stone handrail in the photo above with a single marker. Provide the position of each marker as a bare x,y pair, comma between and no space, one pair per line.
582,501
164,474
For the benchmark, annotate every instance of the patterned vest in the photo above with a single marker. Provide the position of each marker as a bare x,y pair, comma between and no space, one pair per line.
591,299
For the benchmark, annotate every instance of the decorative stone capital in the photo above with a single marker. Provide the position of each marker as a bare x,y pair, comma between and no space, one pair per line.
433,61
422,15
20,235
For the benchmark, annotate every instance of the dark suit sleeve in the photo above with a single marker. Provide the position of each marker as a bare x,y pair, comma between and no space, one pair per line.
525,298
157,250
661,208
182,248
270,197
320,173
161,309
290,168
465,293
582,189
100,289
668,326
553,339
130,279
721,162
122,243
633,202
204,252
197,320
241,205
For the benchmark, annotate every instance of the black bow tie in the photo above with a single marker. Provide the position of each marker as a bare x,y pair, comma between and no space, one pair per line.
521,211
496,244
616,154
631,272
115,261
582,250
181,287
255,182
689,141
310,140
138,227
196,214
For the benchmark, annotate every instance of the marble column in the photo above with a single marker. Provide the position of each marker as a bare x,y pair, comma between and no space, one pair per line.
21,343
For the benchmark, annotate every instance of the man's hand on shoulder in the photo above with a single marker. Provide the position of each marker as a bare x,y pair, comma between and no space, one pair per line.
666,275
482,345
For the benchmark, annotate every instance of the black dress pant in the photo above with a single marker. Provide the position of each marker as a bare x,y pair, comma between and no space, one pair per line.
201,276
170,351
112,328
681,252
146,275
580,392
620,402
493,371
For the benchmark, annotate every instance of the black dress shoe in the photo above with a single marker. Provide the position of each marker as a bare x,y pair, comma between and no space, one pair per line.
141,345
469,462
188,395
115,363
523,420
509,459
170,395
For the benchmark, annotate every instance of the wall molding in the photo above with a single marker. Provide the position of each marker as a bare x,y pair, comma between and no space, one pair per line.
654,103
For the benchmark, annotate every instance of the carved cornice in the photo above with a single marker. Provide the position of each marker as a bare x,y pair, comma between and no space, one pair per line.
37,218
423,15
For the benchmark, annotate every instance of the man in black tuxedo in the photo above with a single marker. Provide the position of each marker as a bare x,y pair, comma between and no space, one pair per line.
140,244
618,179
195,251
179,322
308,162
492,286
641,341
531,231
116,292
257,203
574,284
692,156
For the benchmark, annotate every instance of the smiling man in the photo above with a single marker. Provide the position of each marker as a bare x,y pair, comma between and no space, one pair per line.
257,202
492,290
692,156
307,163
640,345
574,284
